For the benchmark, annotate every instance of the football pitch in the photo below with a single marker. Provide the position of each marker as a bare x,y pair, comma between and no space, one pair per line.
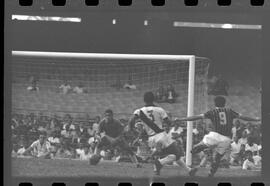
44,168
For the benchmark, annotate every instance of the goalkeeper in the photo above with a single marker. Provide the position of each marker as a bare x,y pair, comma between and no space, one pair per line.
111,134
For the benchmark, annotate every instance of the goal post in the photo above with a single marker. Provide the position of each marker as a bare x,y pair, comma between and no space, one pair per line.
149,73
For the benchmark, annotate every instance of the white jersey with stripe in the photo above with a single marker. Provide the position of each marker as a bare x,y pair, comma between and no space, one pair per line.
154,113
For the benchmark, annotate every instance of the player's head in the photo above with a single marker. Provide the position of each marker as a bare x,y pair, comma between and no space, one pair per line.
166,126
250,140
249,155
235,139
108,114
220,101
149,97
42,137
139,126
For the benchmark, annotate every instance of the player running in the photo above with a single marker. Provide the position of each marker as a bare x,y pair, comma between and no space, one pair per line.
111,135
220,138
167,150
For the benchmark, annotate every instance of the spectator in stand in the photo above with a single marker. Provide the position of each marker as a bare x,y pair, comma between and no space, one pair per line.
22,147
54,142
160,95
14,121
63,151
243,139
68,123
249,128
237,152
210,84
81,128
141,142
65,87
78,89
219,87
85,153
33,87
251,146
170,94
75,135
129,84
249,162
90,131
176,132
257,159
96,124
40,148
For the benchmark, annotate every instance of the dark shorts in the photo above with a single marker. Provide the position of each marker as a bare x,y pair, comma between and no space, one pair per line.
174,149
118,143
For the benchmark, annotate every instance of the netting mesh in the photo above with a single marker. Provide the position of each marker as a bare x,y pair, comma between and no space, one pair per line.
101,77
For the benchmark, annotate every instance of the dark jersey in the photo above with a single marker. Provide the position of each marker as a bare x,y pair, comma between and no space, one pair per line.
222,120
112,129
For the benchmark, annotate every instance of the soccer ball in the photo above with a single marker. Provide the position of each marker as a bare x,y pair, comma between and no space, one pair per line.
94,160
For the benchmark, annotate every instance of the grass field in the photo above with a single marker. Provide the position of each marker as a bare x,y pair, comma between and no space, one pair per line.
39,168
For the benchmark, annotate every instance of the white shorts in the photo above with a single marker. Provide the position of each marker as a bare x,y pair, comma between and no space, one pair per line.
163,139
218,142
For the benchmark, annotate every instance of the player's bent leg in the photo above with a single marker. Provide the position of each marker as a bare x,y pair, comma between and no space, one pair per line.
159,163
125,147
199,147
97,156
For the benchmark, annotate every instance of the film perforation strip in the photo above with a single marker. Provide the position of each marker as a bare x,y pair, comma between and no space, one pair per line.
257,184
129,2
25,184
124,184
125,2
158,184
224,2
224,184
158,2
58,2
91,2
58,184
92,184
191,2
130,184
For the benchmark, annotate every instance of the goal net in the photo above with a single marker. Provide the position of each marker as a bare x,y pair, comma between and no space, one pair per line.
100,77
103,77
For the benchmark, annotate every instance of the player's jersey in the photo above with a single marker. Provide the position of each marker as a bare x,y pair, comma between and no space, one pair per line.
112,129
155,114
222,120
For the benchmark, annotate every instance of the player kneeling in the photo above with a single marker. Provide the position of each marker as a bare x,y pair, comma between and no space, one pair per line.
167,150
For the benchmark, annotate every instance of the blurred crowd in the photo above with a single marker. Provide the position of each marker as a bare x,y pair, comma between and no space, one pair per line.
68,137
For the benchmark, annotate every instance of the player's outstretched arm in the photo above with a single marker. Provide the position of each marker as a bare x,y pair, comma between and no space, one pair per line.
246,118
192,118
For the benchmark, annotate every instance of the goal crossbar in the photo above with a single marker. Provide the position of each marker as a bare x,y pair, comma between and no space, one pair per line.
100,55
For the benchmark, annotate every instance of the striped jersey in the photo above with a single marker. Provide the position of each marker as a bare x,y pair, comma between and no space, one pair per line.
222,119
155,114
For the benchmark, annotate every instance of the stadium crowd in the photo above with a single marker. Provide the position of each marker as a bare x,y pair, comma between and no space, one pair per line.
68,137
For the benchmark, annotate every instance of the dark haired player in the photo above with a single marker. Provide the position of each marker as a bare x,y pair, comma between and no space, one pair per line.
151,115
220,138
111,135
157,125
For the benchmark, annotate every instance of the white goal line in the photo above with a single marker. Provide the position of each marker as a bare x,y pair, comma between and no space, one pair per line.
101,55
